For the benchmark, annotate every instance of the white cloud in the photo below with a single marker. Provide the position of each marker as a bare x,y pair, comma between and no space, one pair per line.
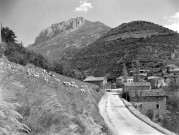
174,22
175,16
174,26
84,6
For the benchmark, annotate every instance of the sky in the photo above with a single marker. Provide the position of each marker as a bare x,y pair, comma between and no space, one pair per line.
27,18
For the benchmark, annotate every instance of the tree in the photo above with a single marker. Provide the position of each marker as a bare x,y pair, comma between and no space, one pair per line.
8,35
125,73
138,94
57,67
66,69
137,71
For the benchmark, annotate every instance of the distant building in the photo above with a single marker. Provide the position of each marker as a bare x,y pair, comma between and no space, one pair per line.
122,79
146,100
172,68
136,86
141,72
156,82
100,81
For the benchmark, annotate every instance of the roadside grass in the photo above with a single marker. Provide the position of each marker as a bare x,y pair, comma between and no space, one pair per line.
9,119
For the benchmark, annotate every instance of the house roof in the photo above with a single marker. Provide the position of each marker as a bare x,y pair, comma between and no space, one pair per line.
155,77
148,93
92,78
127,77
138,84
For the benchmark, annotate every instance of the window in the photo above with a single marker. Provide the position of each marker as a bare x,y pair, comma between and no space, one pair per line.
157,106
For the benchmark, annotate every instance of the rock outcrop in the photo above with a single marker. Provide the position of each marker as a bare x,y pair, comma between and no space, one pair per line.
64,39
58,28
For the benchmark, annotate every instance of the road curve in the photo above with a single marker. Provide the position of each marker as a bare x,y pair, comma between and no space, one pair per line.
120,120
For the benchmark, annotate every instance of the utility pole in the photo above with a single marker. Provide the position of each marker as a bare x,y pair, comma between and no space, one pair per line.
0,34
125,73
137,70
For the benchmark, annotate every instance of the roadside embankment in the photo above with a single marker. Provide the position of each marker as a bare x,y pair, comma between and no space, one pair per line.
136,113
120,120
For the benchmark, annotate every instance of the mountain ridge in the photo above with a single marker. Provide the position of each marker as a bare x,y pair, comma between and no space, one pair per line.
67,43
58,28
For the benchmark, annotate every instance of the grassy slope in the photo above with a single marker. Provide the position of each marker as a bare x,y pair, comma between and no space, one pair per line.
102,56
52,108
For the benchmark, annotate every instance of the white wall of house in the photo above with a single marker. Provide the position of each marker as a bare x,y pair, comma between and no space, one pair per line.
121,80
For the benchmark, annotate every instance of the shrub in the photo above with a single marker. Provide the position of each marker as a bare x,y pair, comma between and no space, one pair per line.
81,128
104,129
9,123
97,89
150,114
40,114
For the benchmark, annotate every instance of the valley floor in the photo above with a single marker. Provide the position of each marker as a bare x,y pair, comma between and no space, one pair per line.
120,120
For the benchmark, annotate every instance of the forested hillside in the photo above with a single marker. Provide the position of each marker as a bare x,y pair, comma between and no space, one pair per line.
136,40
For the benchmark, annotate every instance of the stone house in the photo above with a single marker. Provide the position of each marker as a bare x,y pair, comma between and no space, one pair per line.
154,100
144,98
100,81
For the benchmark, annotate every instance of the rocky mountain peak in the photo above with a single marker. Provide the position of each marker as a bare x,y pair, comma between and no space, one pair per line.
58,28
